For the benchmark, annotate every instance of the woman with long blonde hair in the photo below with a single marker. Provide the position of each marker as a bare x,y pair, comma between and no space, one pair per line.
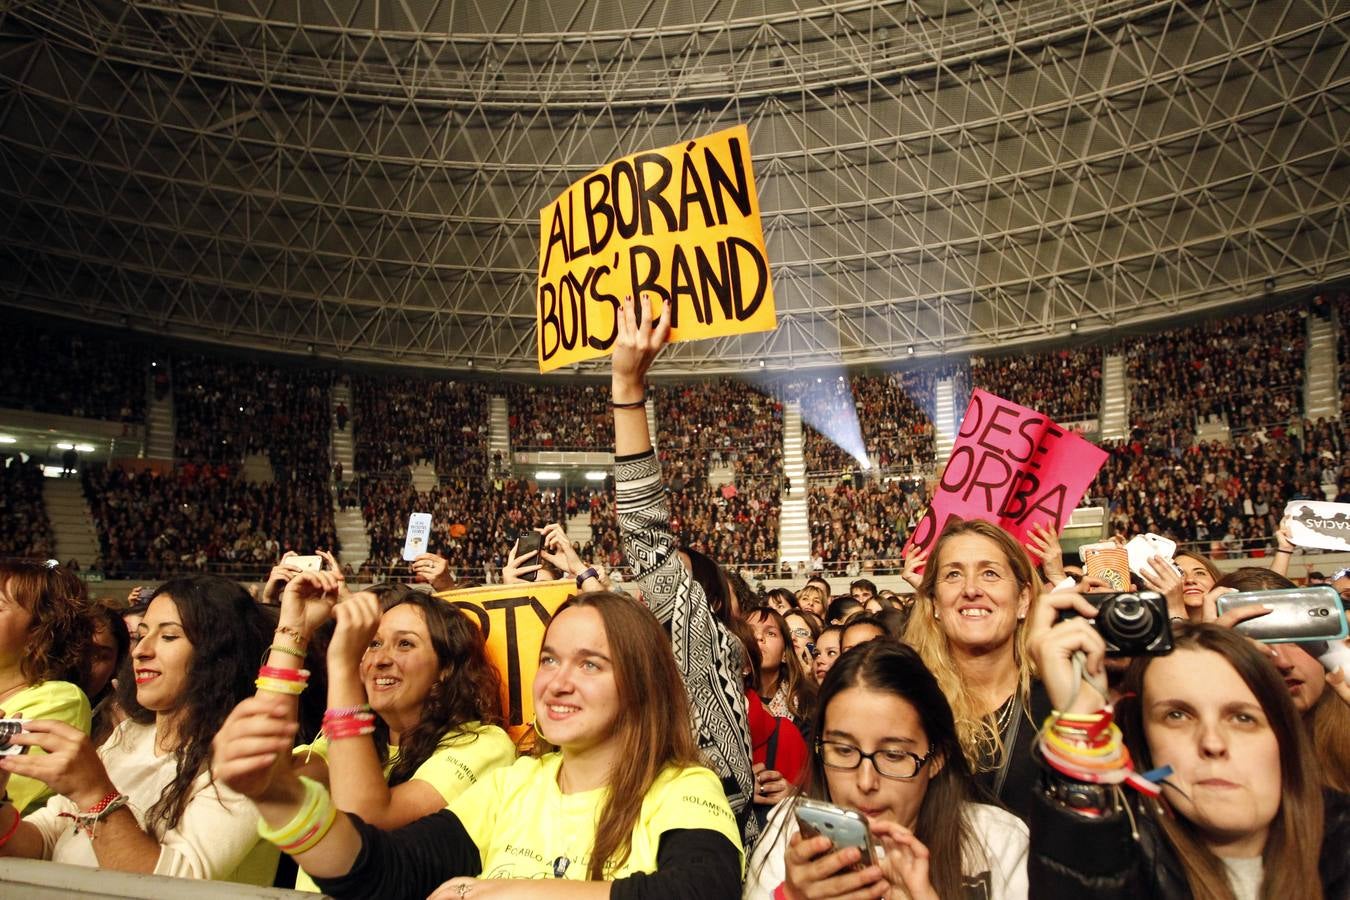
969,627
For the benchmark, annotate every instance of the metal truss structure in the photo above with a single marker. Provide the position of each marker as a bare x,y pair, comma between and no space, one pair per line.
362,178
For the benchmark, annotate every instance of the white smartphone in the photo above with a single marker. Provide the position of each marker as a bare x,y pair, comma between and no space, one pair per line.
844,828
419,533
305,563
1143,546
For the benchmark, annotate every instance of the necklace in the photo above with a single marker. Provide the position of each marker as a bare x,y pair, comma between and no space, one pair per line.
1004,714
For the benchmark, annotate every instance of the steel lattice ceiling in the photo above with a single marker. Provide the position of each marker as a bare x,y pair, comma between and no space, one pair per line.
364,177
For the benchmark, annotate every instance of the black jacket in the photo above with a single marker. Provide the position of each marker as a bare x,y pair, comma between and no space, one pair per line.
1081,857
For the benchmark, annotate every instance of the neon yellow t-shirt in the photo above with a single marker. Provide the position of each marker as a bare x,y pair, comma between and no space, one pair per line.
525,826
60,701
457,765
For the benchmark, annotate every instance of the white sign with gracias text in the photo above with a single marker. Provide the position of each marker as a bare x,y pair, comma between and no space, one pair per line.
1316,523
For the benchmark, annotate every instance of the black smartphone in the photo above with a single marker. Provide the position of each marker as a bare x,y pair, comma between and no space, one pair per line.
529,542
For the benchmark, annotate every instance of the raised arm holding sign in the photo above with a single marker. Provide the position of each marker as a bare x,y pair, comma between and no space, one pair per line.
680,223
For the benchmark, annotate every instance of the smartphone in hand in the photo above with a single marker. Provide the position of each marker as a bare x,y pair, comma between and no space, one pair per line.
1297,614
844,828
529,542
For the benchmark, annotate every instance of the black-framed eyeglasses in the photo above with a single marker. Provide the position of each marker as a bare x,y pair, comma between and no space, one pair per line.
889,762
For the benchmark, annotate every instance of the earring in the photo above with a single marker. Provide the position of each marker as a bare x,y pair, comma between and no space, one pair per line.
535,726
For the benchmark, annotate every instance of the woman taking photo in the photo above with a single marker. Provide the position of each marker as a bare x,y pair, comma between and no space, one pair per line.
46,634
421,667
888,748
1240,815
418,668
615,793
145,801
968,625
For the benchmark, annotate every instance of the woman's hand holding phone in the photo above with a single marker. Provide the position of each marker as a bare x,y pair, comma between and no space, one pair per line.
905,863
309,598
519,565
555,548
358,618
815,870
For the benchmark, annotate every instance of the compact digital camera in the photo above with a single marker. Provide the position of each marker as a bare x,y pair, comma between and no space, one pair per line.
1133,623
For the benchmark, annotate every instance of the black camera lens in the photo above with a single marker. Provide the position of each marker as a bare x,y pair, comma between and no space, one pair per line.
1130,618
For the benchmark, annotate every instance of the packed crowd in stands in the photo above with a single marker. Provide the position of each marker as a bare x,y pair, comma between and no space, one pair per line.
737,522
1233,369
1341,311
720,423
225,410
399,422
825,404
1226,499
1065,384
559,416
475,522
53,370
202,517
25,529
863,527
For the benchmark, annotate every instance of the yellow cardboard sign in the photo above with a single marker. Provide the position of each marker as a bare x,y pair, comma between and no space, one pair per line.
679,224
513,618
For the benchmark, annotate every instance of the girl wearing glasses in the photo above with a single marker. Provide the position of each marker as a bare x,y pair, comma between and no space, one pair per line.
888,748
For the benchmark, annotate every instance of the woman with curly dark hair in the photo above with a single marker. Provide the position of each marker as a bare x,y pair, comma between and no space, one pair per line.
146,801
422,666
46,632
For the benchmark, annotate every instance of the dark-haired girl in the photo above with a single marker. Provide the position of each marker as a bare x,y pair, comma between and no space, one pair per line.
887,746
145,800
421,666
786,689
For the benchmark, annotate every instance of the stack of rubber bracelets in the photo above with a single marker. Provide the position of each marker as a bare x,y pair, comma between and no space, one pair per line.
1088,747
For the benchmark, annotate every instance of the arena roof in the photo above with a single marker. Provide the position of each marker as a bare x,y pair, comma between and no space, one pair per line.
362,178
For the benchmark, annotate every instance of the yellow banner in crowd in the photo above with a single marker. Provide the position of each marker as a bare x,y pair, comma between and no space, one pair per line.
680,224
513,618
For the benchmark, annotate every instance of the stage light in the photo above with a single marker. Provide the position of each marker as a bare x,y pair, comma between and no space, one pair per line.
547,475
596,475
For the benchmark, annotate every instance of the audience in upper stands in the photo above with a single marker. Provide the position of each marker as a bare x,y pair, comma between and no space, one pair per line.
225,410
56,370
1065,384
558,416
865,525
402,421
1234,368
200,518
25,529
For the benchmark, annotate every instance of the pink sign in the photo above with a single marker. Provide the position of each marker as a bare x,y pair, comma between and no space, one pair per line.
1011,466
